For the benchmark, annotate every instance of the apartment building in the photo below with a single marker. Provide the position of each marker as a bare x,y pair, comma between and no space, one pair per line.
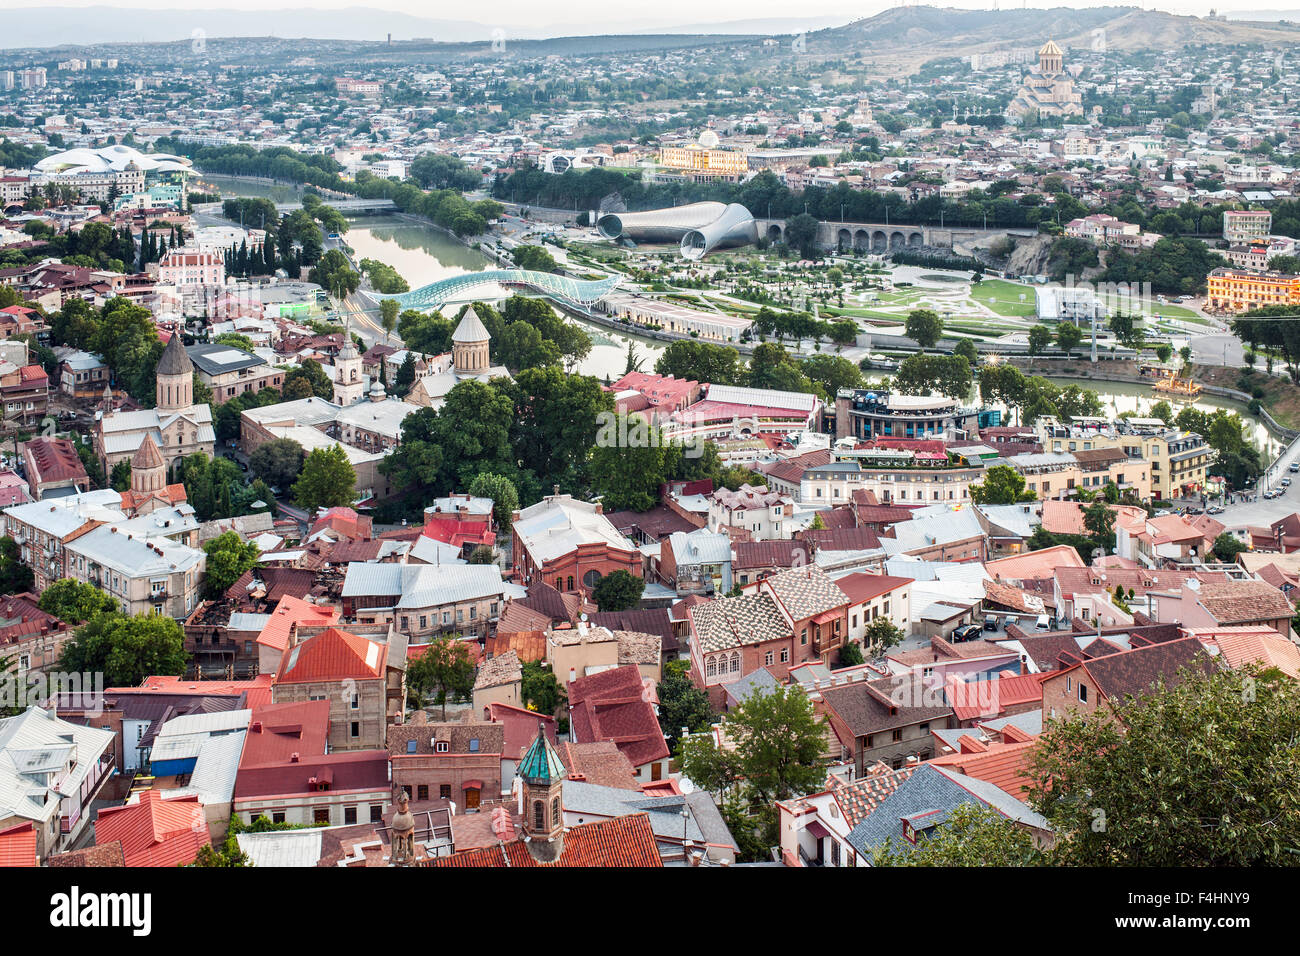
1246,225
1237,290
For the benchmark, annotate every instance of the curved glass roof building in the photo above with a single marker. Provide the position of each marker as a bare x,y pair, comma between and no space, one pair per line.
698,227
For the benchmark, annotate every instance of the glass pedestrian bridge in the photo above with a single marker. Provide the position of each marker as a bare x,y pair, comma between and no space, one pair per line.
584,292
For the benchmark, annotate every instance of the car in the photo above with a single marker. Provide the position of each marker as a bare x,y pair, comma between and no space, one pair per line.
990,622
1044,623
969,632
1294,467
1286,482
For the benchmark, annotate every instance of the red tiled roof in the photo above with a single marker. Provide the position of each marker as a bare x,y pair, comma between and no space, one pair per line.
292,611
863,587
332,655
155,831
18,845
520,725
1006,766
1034,564
621,842
278,731
353,770
612,705
257,688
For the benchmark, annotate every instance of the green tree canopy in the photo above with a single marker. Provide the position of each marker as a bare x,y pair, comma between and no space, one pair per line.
229,556
75,601
327,480
618,591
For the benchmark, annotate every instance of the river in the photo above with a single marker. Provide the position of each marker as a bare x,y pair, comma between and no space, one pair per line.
424,253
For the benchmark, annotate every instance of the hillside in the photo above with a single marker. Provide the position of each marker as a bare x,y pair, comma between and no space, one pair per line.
911,36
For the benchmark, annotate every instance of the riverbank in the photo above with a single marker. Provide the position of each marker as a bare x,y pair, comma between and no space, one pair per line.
1209,377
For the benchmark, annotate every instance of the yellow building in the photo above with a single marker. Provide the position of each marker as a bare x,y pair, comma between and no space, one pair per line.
1238,290
1176,460
700,159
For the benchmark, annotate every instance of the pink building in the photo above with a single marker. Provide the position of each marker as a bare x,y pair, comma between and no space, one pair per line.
181,267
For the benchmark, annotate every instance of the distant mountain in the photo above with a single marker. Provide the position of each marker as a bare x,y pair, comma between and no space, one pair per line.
28,27
71,26
927,33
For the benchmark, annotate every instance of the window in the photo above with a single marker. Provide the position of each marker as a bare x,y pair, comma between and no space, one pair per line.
442,747
277,816
473,745
1083,693
711,668
803,636
735,663
422,792
349,815
590,579
356,729
423,622
898,735
767,658
785,655
555,808
539,816
410,746
355,703
444,791
321,815
376,813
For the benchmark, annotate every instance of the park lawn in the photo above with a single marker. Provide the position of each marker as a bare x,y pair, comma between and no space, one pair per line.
1003,297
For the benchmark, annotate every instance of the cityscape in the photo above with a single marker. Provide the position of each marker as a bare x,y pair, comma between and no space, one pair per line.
867,441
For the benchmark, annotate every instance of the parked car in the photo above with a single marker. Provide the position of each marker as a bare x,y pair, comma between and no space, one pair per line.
990,622
1294,467
1044,623
969,632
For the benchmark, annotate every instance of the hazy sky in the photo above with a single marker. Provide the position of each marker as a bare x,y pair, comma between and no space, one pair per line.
662,12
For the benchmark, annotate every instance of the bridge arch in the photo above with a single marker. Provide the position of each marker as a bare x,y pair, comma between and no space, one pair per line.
897,240
915,240
844,239
879,241
583,292
861,240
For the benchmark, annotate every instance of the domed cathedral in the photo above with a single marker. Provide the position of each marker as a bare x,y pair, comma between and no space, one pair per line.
149,487
175,425
471,358
1047,90
469,345
541,804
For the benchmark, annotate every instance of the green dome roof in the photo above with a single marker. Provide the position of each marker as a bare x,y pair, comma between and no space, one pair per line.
540,763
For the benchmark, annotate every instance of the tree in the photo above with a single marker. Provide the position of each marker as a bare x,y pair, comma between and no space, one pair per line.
830,373
681,703
801,234
618,591
880,635
534,259
229,556
629,463
1163,411
1040,337
924,327
1198,771
74,601
405,377
278,462
780,743
1164,351
388,309
1227,546
483,554
965,348
126,649
327,480
315,376
851,655
505,499
1099,521
120,477
445,669
973,834
15,577
921,374
701,362
1002,485
539,689
1068,337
